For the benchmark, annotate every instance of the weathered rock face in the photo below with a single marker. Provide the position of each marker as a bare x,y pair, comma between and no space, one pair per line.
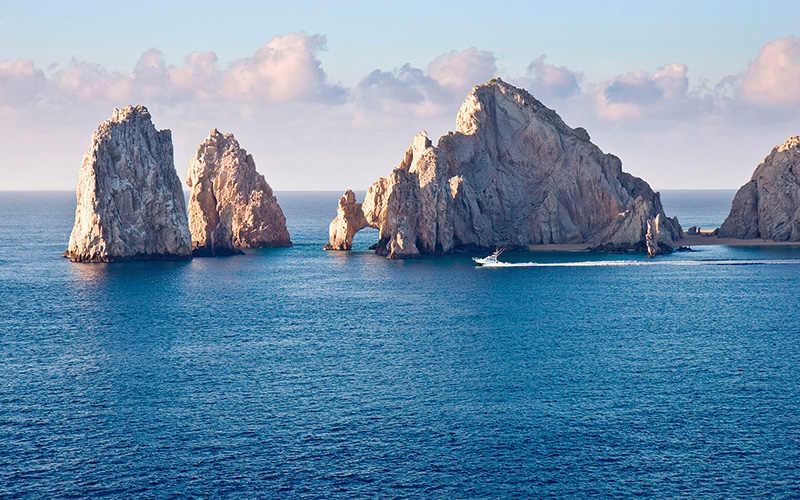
652,236
349,220
768,206
231,206
130,202
512,174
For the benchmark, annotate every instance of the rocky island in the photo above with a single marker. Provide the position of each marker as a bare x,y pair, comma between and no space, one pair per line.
231,206
130,202
512,175
768,207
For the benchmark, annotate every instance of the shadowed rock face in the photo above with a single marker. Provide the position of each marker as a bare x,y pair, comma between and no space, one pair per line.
231,206
768,206
130,202
512,174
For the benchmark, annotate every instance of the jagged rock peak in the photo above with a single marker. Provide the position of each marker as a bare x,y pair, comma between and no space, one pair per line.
130,202
513,174
768,206
484,100
231,206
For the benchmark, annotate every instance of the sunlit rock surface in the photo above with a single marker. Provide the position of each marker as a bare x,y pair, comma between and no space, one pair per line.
231,206
130,202
513,174
768,206
349,220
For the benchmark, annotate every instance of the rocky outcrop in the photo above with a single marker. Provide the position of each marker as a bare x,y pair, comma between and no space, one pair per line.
231,206
513,174
768,206
130,202
652,236
349,220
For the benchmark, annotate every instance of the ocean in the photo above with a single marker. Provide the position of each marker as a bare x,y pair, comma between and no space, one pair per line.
301,373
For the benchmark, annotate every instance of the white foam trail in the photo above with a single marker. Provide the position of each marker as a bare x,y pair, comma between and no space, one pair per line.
614,263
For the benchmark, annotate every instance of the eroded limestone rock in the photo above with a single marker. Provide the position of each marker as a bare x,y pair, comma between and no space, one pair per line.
349,220
768,206
231,206
130,202
513,174
652,236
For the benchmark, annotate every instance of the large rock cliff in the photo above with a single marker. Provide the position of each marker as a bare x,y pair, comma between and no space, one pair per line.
768,206
513,174
231,206
130,202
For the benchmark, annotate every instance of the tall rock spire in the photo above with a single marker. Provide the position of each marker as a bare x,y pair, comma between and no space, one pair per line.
130,202
231,206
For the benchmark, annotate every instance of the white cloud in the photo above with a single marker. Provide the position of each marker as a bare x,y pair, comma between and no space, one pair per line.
407,89
769,90
285,69
404,90
549,80
88,82
638,95
773,79
199,78
20,82
460,71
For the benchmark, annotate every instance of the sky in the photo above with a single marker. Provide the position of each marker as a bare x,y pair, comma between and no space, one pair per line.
329,95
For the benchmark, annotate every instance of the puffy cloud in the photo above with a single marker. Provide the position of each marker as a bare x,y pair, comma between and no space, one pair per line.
89,82
285,69
458,71
426,93
20,82
672,81
639,94
637,87
549,80
405,88
199,77
773,79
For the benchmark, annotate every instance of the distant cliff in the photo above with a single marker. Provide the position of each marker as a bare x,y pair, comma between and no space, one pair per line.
768,206
512,174
130,202
231,206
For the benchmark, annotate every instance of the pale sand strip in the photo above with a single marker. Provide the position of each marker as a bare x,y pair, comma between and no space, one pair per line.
698,240
582,247
687,241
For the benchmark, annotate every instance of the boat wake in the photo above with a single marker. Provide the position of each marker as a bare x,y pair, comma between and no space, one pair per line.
624,263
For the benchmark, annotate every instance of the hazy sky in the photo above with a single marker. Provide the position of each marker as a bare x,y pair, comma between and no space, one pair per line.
328,95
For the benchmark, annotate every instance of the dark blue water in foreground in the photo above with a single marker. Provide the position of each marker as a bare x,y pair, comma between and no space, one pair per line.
299,373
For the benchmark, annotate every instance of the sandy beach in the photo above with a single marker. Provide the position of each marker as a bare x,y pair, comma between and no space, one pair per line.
702,239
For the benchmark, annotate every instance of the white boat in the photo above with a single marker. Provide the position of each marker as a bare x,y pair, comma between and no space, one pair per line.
490,260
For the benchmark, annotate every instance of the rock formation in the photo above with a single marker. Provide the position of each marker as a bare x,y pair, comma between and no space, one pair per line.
231,206
768,206
349,220
652,236
513,174
130,202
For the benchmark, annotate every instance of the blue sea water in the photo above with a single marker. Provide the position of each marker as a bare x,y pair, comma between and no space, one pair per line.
300,373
